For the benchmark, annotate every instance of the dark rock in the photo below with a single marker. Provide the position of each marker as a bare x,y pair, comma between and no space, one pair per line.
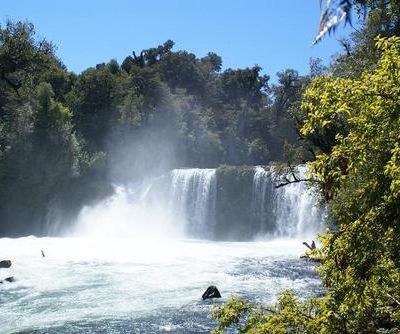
211,292
8,279
5,264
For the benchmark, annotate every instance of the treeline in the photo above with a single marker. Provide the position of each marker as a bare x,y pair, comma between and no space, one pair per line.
64,137
350,118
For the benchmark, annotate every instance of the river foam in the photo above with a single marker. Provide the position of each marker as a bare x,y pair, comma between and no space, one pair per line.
95,285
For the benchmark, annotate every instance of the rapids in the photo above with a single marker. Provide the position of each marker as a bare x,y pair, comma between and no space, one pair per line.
96,285
139,261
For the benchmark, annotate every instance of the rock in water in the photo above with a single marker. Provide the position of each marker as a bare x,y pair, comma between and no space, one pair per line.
211,292
8,279
5,264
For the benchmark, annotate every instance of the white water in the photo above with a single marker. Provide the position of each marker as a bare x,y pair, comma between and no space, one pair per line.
296,213
292,207
128,265
128,214
193,194
107,285
261,187
183,202
183,208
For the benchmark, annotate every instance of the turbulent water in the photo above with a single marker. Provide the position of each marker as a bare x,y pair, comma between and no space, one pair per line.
94,285
139,261
186,203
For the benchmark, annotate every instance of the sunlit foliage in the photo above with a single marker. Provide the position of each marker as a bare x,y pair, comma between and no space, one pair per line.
360,179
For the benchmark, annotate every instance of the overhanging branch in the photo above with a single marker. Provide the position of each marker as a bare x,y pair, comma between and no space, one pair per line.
287,181
295,179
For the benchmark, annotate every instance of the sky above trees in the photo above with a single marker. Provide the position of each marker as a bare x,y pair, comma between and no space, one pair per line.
273,34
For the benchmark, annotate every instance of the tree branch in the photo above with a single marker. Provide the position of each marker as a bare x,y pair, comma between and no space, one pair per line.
394,299
287,181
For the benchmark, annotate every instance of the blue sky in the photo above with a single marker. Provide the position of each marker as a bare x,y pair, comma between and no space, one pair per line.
275,34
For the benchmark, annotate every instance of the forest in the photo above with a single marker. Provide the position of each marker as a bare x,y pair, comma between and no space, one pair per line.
63,133
65,138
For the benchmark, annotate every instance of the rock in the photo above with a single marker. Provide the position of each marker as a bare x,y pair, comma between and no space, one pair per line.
211,292
5,264
8,279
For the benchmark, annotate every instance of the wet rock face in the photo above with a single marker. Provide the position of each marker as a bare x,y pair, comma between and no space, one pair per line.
5,264
211,292
233,193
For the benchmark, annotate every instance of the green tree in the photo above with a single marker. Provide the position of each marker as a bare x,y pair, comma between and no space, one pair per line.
94,100
360,178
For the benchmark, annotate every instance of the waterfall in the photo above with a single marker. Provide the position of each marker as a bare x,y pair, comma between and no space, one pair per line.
296,210
292,207
261,199
192,199
235,203
133,211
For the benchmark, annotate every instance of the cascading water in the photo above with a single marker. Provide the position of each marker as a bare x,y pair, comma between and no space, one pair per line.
112,276
179,204
262,200
290,209
132,212
193,200
295,210
191,203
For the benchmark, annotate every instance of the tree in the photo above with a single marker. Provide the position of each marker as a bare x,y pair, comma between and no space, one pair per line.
360,179
93,100
21,55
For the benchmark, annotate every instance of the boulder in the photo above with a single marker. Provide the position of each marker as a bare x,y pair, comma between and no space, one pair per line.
211,292
5,264
8,279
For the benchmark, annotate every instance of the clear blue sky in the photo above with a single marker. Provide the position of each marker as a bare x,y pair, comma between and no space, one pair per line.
275,34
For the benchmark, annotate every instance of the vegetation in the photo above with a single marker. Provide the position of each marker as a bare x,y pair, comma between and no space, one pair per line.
64,137
351,119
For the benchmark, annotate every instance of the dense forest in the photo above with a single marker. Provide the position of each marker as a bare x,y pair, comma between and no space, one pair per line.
66,137
351,118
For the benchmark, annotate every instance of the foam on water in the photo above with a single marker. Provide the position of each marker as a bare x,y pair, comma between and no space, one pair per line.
125,285
128,265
